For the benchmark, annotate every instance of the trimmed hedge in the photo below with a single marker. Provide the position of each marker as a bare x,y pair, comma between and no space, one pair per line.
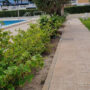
78,9
71,10
15,13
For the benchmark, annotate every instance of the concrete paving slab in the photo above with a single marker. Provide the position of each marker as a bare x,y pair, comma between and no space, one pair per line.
71,70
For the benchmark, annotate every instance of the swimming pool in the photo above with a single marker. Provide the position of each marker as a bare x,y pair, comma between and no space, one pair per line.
10,22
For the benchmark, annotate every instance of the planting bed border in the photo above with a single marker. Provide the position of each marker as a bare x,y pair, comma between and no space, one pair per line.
51,70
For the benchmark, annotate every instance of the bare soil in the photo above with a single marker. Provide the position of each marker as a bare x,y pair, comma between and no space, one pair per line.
40,76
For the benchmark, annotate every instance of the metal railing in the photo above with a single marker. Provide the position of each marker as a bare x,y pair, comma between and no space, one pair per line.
17,7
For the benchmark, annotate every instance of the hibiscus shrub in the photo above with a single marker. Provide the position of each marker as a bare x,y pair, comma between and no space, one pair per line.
21,54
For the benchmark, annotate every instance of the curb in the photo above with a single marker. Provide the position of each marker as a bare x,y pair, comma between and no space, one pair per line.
51,70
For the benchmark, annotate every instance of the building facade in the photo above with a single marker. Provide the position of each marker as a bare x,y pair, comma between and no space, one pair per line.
80,2
13,2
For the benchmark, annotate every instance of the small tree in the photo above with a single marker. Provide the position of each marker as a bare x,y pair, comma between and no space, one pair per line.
51,6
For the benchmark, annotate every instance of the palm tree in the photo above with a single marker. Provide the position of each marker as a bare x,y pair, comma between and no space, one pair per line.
16,2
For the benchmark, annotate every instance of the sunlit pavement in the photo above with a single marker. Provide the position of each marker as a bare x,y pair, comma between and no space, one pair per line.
70,69
24,26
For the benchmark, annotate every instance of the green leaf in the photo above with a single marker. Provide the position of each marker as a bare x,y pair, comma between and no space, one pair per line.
10,87
29,77
21,82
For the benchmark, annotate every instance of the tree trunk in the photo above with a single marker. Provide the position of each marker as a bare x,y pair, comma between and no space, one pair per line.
62,9
58,12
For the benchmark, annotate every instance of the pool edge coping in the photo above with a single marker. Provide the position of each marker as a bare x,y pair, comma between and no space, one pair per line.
16,24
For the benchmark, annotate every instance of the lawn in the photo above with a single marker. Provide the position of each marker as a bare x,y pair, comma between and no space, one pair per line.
86,22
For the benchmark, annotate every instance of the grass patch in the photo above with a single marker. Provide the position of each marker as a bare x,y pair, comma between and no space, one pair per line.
86,22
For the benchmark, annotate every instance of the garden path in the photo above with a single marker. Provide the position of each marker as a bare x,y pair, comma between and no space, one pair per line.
70,69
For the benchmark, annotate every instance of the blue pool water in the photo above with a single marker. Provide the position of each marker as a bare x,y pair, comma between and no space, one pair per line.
10,22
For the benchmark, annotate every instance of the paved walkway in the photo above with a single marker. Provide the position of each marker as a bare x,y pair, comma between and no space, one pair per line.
71,66
78,15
